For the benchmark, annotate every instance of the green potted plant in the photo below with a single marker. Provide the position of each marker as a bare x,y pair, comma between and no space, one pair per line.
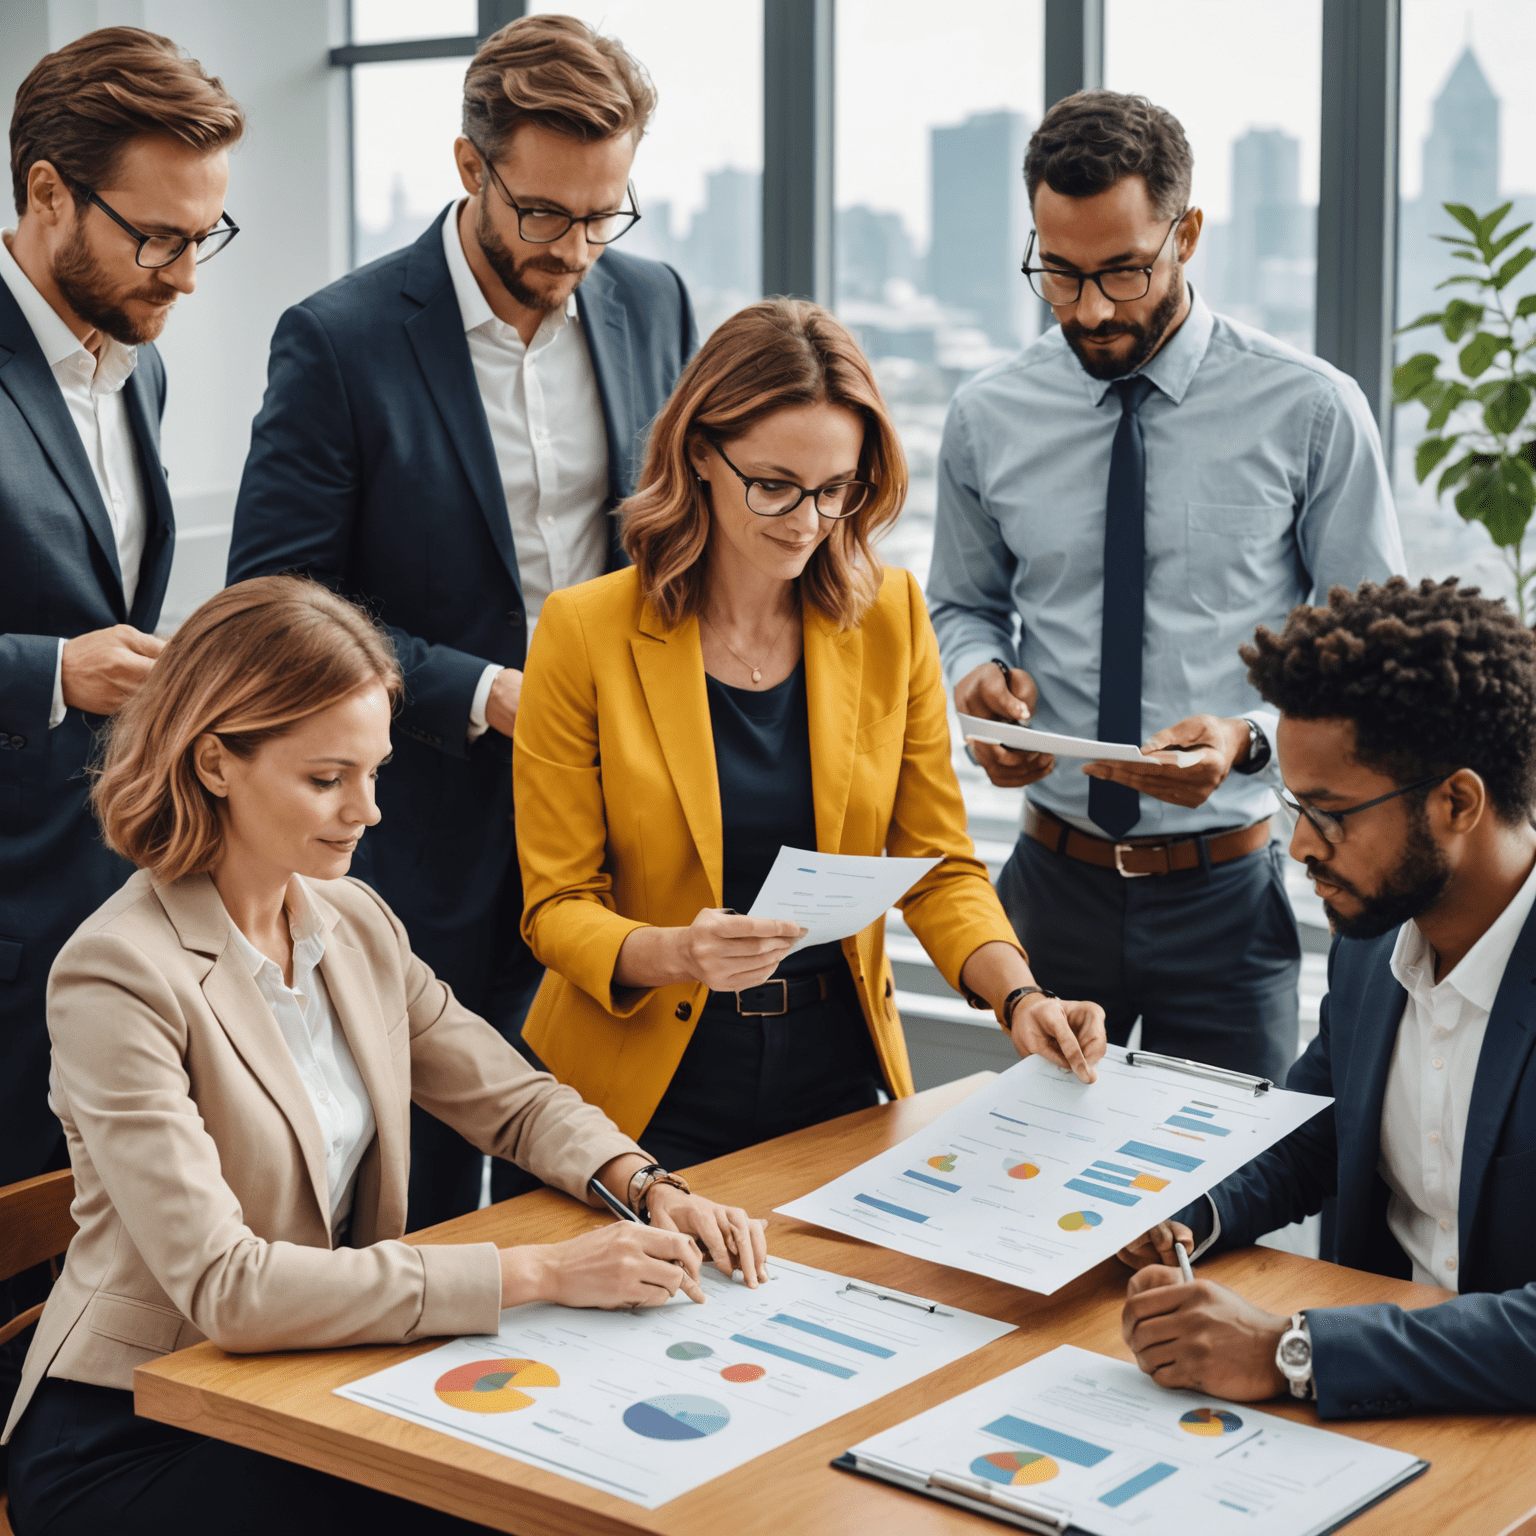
1481,420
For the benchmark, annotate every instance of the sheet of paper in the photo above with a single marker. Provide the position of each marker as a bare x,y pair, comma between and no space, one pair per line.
1036,1176
650,1404
1025,739
1093,1438
834,895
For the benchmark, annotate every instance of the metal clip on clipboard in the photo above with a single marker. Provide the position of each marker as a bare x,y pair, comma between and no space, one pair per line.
967,1492
1259,1085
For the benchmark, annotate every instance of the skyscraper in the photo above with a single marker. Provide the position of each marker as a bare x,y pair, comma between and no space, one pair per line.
1461,152
980,221
725,240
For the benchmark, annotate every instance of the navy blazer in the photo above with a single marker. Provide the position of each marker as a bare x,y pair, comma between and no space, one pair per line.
372,469
59,578
1476,1353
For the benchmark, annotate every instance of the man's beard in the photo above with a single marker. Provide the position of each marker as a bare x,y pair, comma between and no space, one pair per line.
1102,365
505,266
87,291
1412,888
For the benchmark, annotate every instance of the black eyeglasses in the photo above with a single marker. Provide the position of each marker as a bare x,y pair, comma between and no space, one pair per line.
162,250
778,498
1330,824
1120,285
543,226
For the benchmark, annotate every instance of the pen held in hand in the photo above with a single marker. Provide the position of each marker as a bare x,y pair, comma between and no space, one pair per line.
1186,1274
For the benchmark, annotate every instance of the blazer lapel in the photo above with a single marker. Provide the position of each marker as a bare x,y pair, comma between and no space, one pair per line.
160,535
605,327
194,908
28,380
834,665
1507,1043
671,670
436,336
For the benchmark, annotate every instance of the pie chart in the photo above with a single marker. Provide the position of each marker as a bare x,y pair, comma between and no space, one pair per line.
676,1417
1019,1170
493,1386
744,1372
945,1162
1210,1421
1078,1221
1015,1467
689,1351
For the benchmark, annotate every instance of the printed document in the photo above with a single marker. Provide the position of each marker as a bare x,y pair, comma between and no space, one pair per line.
649,1404
1021,738
1036,1177
1091,1441
834,895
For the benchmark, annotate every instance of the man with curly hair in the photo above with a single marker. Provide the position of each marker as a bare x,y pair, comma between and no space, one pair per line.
1407,737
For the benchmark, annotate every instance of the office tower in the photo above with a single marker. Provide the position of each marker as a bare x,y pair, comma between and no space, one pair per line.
724,246
1461,152
980,221
872,250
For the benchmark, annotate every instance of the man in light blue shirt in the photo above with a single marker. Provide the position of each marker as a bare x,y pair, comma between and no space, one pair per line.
1125,500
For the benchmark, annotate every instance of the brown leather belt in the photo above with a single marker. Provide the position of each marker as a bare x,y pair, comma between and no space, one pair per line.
1144,856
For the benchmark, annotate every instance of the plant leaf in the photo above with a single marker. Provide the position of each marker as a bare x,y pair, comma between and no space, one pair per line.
1459,318
1454,240
1477,282
1504,412
1472,256
1468,220
1454,394
1434,318
1412,376
1487,389
1430,452
1478,354
1457,471
1504,242
1491,221
1499,495
1514,267
1526,306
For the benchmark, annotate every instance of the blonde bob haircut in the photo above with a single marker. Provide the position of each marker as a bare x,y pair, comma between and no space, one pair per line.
249,665
765,358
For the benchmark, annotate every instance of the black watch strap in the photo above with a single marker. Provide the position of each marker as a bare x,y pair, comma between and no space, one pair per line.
1259,750
1016,997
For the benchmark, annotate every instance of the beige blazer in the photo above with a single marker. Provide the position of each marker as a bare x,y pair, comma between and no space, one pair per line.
200,1183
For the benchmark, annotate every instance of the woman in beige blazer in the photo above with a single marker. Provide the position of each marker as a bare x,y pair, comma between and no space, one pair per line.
238,1036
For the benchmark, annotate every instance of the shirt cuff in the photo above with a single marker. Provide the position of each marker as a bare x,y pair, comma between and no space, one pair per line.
478,725
966,661
56,710
1215,1231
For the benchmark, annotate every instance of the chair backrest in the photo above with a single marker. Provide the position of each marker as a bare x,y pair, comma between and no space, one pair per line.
35,1224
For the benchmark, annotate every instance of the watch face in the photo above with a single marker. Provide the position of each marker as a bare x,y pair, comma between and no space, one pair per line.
1295,1350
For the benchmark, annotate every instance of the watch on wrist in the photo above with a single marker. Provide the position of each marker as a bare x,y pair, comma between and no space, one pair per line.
1294,1356
643,1180
1259,750
1014,998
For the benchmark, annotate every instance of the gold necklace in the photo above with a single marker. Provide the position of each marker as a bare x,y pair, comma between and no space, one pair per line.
756,671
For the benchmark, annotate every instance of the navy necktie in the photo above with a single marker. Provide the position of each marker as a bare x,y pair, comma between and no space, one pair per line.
1114,807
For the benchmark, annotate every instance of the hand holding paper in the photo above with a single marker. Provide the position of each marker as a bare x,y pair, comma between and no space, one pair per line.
1023,738
1205,747
834,895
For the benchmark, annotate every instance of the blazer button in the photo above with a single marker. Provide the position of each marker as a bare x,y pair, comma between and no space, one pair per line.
18,742
685,1011
515,620
887,986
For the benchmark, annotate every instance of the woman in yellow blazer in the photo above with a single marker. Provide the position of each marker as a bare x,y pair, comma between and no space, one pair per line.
755,680
238,1036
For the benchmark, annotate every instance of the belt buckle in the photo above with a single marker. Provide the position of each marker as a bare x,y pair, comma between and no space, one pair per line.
1122,871
766,1013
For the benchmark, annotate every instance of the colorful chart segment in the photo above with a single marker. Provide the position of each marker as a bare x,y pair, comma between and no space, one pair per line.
743,1373
1210,1421
689,1351
493,1386
1016,1468
1079,1221
676,1417
1019,1170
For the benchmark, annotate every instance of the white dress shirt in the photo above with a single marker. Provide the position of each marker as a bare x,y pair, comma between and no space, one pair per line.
93,391
546,422
1429,1085
343,1110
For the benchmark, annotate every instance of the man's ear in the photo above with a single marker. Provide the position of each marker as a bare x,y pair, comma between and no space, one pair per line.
1466,800
48,196
1188,237
471,166
210,762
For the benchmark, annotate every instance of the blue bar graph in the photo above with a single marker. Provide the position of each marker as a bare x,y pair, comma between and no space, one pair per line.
1051,1442
832,1336
1102,1192
1107,1178
928,1178
1205,1114
1182,1161
1206,1126
1009,1118
1138,1484
842,1371
1130,1173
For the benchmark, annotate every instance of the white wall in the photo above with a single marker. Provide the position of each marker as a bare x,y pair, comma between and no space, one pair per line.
288,191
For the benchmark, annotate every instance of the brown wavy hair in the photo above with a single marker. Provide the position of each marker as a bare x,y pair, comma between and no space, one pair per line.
249,665
766,357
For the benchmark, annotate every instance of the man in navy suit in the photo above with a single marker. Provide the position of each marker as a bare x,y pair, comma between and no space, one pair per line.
1408,737
446,434
119,163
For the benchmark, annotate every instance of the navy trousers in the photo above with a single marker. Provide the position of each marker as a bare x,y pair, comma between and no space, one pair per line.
83,1464
1208,959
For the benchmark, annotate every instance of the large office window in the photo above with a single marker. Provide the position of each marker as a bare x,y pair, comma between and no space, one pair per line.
699,169
1244,77
1468,135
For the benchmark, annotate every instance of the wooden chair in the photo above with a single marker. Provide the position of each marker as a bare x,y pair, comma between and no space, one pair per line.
35,1228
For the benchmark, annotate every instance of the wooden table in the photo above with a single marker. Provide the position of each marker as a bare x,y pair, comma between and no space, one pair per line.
1481,1479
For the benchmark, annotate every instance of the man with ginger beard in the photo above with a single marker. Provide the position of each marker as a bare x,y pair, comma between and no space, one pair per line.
1119,506
445,436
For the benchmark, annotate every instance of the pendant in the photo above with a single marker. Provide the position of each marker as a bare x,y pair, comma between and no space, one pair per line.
757,676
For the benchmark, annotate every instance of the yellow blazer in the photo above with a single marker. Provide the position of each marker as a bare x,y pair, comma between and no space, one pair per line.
618,819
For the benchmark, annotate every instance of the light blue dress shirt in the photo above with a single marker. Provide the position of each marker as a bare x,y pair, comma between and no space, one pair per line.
1265,487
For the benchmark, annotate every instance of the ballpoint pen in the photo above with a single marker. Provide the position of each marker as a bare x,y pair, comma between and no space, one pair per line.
1186,1274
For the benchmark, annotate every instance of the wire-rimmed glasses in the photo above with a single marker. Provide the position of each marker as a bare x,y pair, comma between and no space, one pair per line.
778,498
1120,285
163,250
1330,824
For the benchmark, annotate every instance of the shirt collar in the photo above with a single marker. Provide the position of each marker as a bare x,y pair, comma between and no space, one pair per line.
308,938
1173,366
1480,972
473,307
58,343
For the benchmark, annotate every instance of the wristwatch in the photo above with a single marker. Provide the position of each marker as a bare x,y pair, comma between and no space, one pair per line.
1259,750
647,1178
1294,1356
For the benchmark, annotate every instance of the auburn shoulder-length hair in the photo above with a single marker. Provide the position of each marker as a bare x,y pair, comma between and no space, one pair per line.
770,355
250,664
